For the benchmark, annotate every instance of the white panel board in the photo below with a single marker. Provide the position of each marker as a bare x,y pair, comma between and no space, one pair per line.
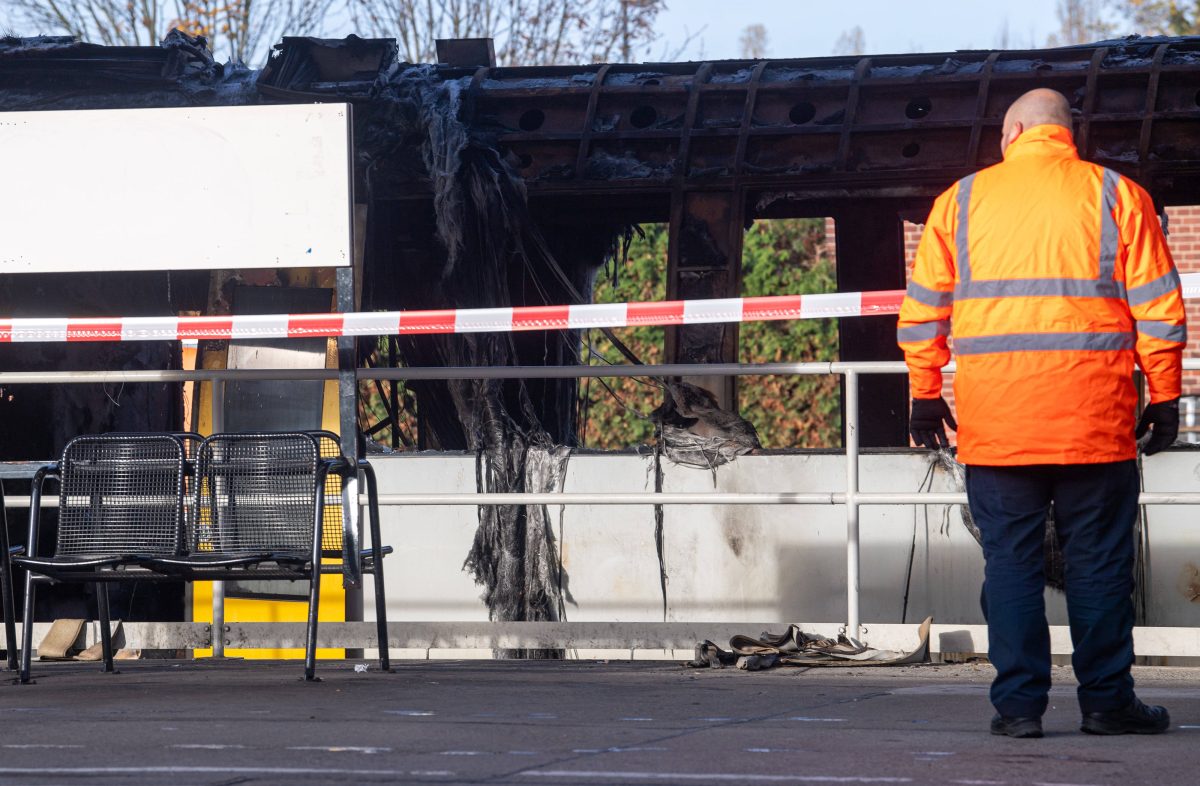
175,189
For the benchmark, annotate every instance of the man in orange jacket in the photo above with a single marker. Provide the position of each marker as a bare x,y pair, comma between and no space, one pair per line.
1057,278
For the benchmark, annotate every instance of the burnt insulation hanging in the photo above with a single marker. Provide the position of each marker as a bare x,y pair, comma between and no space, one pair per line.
486,243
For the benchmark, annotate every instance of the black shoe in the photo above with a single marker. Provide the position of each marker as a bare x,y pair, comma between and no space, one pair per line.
1137,718
1021,728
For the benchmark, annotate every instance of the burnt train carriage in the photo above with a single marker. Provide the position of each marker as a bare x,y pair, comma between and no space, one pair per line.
509,186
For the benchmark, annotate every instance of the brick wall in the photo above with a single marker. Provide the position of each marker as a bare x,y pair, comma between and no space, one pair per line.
1183,235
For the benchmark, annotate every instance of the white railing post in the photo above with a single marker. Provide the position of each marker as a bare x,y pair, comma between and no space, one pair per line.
218,587
853,620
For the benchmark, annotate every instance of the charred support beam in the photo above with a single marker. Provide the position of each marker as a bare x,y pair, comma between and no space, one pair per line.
870,255
705,261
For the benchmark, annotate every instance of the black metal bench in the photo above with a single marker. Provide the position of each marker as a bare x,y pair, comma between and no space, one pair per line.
138,507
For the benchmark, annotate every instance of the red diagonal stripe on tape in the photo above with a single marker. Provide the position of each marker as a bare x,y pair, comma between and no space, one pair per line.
885,302
94,331
540,317
770,307
300,325
427,321
668,312
776,307
205,327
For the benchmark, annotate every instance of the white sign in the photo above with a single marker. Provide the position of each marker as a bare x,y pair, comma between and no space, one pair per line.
175,189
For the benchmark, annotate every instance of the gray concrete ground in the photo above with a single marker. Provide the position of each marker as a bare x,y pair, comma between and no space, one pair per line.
571,723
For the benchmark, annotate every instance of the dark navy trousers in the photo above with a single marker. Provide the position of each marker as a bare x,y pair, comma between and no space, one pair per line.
1095,508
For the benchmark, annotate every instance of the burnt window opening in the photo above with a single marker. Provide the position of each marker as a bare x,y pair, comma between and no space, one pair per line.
918,108
612,413
643,117
532,120
790,256
387,409
802,113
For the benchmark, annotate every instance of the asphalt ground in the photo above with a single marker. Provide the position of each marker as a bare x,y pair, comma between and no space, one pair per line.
568,722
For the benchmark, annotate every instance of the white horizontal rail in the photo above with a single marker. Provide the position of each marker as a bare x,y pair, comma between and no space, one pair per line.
474,372
677,498
615,498
714,498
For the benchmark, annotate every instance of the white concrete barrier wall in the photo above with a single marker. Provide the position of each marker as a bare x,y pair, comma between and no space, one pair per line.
741,563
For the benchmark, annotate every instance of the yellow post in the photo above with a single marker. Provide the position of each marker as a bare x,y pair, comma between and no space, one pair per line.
333,597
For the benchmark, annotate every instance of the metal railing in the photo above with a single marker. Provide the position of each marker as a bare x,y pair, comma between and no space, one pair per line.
852,497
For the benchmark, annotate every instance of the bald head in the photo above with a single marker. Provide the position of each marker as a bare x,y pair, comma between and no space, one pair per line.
1036,108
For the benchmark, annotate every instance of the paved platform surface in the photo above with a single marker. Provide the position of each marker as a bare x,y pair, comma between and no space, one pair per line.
571,723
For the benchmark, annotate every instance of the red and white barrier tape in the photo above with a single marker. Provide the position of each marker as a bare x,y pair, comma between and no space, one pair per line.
476,320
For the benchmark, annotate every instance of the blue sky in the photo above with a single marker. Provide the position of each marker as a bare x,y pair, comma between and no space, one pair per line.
800,28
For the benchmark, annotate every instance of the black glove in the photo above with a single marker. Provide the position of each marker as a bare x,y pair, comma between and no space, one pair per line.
926,422
1164,416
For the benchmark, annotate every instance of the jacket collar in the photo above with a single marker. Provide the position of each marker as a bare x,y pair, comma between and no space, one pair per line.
1045,140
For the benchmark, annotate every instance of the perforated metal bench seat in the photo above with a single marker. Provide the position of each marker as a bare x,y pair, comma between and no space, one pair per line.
51,566
245,506
186,563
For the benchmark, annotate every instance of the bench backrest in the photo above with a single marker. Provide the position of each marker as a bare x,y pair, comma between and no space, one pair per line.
121,494
255,493
331,519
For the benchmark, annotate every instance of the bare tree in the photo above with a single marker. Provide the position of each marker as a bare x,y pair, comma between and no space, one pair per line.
754,42
527,32
236,29
1161,17
851,42
1081,22
1002,36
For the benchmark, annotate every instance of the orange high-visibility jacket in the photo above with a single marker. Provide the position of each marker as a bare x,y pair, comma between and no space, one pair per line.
1056,277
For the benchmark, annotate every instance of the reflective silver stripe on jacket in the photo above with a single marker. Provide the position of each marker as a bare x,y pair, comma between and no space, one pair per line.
1109,236
1039,287
1164,330
960,235
929,297
1103,286
1160,286
924,331
1043,342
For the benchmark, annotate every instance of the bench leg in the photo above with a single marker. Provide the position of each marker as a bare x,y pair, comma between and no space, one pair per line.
314,584
385,661
6,590
10,618
310,648
105,626
10,612
27,629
